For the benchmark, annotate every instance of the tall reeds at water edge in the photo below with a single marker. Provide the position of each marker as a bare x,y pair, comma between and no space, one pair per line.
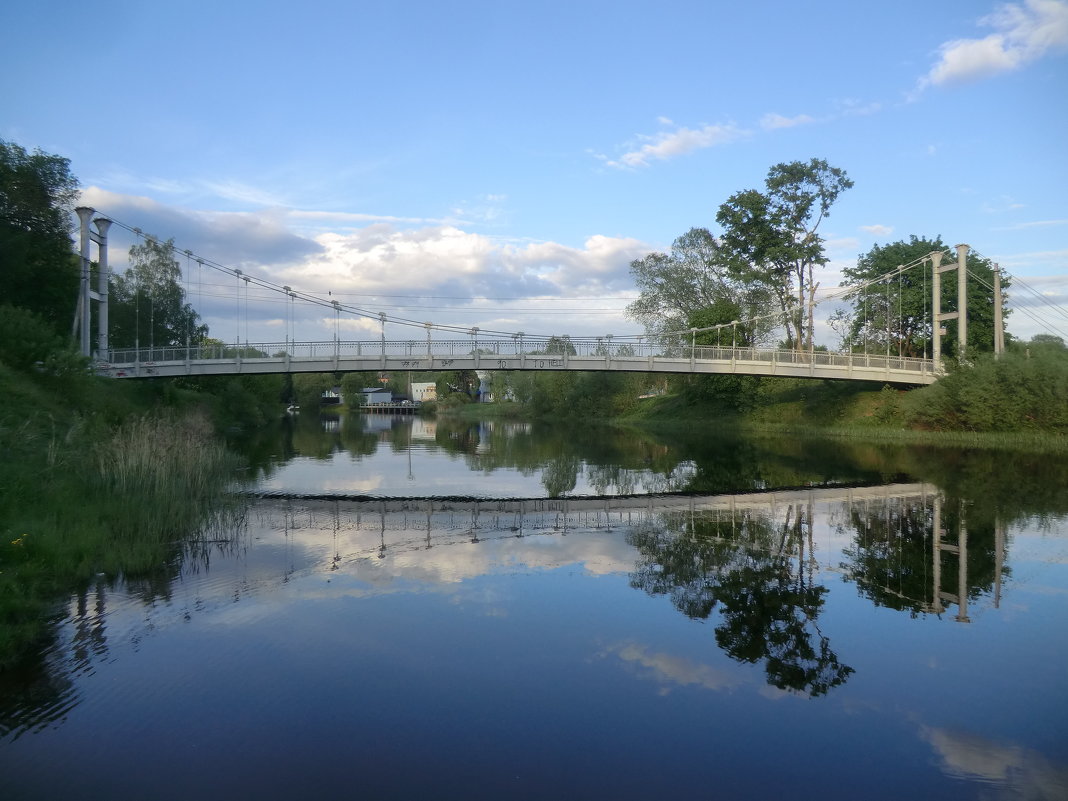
167,470
98,503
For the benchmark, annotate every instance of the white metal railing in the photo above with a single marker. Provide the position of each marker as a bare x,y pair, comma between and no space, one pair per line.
580,349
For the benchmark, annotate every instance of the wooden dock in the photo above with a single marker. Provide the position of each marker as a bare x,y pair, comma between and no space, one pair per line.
390,408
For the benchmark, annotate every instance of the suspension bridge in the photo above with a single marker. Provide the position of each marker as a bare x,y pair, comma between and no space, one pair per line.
432,346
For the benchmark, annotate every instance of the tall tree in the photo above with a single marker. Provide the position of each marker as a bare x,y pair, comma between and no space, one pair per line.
896,314
147,305
40,270
694,286
773,235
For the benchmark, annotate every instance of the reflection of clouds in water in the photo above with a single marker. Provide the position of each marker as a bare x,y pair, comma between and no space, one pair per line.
599,554
667,669
304,558
1015,772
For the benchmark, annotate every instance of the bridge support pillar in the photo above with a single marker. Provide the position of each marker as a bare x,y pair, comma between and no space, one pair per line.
85,214
962,301
83,316
999,325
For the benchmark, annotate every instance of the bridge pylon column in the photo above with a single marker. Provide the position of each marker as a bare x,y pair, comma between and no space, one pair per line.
962,301
101,238
83,318
960,315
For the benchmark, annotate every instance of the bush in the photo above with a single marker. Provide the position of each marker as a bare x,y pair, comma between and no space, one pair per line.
1018,392
28,342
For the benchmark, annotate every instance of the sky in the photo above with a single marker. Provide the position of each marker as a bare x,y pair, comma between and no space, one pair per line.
500,164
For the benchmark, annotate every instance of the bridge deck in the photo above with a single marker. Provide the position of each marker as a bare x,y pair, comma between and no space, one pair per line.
322,357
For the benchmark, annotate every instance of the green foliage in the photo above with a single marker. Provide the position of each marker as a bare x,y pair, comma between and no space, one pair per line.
37,195
456,386
1014,393
695,285
888,409
309,388
593,394
906,301
147,306
27,341
92,485
726,393
772,237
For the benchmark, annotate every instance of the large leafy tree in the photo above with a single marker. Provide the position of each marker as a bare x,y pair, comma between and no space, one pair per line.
147,305
895,314
39,268
695,286
773,235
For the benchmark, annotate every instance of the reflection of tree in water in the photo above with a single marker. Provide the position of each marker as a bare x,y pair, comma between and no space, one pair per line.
560,475
758,574
896,560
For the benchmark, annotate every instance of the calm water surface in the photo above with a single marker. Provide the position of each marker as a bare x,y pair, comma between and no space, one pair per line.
418,610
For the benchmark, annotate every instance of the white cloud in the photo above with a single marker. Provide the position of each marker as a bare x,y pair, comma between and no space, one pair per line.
1033,224
383,258
878,230
1023,33
402,266
770,122
670,144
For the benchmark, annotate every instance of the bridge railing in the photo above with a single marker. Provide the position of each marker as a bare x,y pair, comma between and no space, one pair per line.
818,358
451,349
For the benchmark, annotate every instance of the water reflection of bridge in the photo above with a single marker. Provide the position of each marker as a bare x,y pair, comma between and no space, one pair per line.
908,551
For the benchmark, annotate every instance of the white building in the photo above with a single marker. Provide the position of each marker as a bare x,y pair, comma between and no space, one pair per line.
427,391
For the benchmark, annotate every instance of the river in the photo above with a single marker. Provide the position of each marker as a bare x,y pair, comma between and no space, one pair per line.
408,608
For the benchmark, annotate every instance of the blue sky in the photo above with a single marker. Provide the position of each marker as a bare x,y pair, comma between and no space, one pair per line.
500,164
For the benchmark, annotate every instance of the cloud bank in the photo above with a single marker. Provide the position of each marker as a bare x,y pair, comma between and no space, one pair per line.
443,273
1022,34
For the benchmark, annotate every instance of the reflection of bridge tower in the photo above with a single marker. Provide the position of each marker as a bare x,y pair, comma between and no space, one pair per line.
960,598
960,550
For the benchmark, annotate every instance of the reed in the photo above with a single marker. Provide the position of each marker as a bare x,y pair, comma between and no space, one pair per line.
126,502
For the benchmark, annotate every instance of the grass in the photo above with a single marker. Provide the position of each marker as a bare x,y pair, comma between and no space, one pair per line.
98,479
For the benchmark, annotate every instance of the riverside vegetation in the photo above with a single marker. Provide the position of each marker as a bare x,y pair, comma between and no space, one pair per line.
100,479
1020,400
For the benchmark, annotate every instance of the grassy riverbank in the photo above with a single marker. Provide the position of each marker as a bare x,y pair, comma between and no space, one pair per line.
100,479
970,410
